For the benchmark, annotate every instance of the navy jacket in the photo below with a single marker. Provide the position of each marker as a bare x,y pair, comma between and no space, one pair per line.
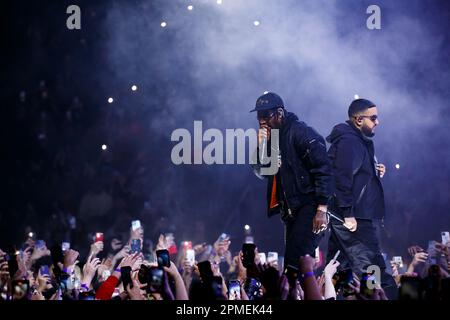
358,189
305,173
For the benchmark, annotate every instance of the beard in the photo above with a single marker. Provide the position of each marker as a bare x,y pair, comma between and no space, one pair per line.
369,133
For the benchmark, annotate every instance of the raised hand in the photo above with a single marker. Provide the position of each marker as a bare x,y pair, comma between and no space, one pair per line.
89,269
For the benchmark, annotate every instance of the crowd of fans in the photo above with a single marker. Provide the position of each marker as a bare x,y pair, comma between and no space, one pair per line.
134,269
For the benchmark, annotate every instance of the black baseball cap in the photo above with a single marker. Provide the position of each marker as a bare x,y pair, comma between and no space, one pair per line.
268,101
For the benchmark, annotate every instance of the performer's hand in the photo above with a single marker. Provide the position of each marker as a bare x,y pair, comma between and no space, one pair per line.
319,221
263,133
381,168
350,224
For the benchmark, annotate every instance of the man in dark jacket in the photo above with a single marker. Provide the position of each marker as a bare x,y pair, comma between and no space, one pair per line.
301,187
359,198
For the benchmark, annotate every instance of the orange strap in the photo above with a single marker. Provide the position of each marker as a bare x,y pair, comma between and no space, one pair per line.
273,198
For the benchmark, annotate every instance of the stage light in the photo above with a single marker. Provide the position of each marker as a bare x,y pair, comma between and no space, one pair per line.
397,166
356,97
163,24
247,227
104,147
190,7
256,23
110,100
219,1
30,234
134,87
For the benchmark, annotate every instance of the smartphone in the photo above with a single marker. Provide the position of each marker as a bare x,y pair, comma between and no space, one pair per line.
106,274
234,290
20,288
156,278
135,246
163,258
410,288
248,251
44,270
88,295
135,224
126,277
99,237
223,237
272,258
365,278
249,239
13,266
291,273
344,278
445,235
65,246
431,252
262,257
205,270
398,261
336,255
190,256
187,245
40,244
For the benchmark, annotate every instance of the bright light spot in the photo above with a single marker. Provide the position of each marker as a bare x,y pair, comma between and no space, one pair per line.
266,92
247,227
256,23
397,166
104,147
163,24
356,97
30,234
134,87
190,7
110,100
219,1
17,252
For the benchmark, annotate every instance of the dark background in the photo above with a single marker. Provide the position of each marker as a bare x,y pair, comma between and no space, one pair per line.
209,64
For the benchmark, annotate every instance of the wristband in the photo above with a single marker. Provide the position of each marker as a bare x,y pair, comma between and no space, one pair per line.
306,275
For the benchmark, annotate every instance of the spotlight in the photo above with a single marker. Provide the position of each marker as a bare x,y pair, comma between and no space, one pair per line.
110,100
219,1
190,7
256,23
104,147
247,227
356,97
134,87
397,166
163,24
30,234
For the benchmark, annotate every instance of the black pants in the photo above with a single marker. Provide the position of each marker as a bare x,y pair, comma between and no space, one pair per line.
359,250
299,238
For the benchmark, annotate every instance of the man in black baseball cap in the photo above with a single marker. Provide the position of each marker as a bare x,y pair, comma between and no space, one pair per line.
301,187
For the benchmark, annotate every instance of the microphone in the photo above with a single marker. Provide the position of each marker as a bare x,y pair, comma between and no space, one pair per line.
263,147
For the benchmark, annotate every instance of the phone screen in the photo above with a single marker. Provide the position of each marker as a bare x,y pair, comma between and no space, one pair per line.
135,246
44,270
248,251
205,270
126,277
99,237
234,290
163,258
